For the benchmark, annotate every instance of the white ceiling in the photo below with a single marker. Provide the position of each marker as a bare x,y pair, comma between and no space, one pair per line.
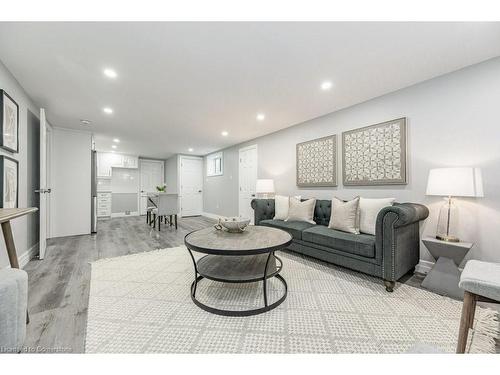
181,84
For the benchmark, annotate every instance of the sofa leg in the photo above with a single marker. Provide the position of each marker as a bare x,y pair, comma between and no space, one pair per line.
389,285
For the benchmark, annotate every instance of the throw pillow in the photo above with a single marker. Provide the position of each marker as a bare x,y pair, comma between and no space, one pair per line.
344,215
368,211
302,211
281,205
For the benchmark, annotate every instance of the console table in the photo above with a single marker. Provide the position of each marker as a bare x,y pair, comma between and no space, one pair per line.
6,215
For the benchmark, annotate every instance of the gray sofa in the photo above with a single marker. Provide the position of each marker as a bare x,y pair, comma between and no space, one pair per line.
390,254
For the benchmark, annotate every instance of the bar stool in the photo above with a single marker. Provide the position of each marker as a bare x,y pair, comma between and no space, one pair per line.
481,282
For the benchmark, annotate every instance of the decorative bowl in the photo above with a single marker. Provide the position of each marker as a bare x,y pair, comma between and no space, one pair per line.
232,224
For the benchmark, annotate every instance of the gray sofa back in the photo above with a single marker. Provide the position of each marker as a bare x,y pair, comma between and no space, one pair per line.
407,212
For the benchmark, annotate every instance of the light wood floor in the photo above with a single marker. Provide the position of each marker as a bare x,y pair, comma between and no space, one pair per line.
59,285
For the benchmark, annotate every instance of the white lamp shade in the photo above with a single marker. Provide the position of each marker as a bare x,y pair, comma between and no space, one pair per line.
456,182
265,186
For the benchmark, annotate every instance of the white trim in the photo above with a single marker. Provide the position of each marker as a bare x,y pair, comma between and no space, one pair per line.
180,157
213,216
243,149
247,148
28,255
73,130
123,214
424,266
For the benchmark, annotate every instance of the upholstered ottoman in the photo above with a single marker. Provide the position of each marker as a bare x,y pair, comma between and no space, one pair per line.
480,282
13,305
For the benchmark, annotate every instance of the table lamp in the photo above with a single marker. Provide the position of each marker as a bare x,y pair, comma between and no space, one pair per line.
452,182
264,188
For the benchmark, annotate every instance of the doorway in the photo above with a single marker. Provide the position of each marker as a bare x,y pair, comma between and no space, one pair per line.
151,176
247,180
33,181
191,182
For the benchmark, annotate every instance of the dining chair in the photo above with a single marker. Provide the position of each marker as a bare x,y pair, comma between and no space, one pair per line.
167,206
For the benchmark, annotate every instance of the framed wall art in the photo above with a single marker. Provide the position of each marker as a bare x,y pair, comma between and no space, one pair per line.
9,123
375,155
317,162
9,182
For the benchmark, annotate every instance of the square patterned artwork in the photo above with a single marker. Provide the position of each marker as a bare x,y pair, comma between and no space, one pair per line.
317,162
375,155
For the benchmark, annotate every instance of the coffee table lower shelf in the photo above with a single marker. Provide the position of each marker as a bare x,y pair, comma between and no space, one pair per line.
238,269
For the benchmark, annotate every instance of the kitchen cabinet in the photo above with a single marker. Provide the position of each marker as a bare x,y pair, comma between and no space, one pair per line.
107,160
103,204
130,161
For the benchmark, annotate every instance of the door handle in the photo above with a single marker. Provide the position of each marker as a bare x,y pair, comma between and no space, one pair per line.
199,191
253,195
43,191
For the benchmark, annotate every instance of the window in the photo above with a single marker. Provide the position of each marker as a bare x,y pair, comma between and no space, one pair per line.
214,165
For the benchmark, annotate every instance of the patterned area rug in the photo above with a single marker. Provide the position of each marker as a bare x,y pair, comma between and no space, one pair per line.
141,304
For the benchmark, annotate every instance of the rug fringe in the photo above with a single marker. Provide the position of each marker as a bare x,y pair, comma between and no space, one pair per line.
485,332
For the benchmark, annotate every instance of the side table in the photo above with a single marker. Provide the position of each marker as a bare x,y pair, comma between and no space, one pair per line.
443,278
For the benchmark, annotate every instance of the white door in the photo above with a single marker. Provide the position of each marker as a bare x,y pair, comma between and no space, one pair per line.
247,180
191,186
152,175
44,189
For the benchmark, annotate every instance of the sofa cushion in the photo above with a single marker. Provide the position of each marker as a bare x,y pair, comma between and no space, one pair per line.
359,244
295,228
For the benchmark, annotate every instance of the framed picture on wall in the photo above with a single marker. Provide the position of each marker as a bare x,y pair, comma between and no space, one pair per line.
9,182
9,123
317,162
375,155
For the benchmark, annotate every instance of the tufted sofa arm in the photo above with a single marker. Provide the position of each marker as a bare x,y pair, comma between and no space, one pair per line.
405,213
397,239
263,209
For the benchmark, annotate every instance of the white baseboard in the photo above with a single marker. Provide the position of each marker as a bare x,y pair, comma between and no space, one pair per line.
27,256
212,216
123,214
424,266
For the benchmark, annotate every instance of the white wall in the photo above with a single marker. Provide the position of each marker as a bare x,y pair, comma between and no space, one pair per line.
19,226
71,183
172,174
452,121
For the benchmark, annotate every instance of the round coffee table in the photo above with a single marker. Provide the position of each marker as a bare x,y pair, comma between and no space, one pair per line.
245,257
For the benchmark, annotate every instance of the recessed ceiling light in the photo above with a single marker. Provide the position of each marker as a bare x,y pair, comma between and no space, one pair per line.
116,140
108,110
113,146
225,133
190,149
327,85
110,73
261,117
85,122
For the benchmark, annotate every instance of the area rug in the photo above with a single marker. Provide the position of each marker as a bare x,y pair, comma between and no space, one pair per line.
141,303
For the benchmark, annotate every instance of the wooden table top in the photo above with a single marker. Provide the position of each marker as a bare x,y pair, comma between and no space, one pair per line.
254,240
7,214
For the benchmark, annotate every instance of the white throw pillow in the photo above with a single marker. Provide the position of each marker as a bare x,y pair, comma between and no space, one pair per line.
344,215
281,205
302,211
368,211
